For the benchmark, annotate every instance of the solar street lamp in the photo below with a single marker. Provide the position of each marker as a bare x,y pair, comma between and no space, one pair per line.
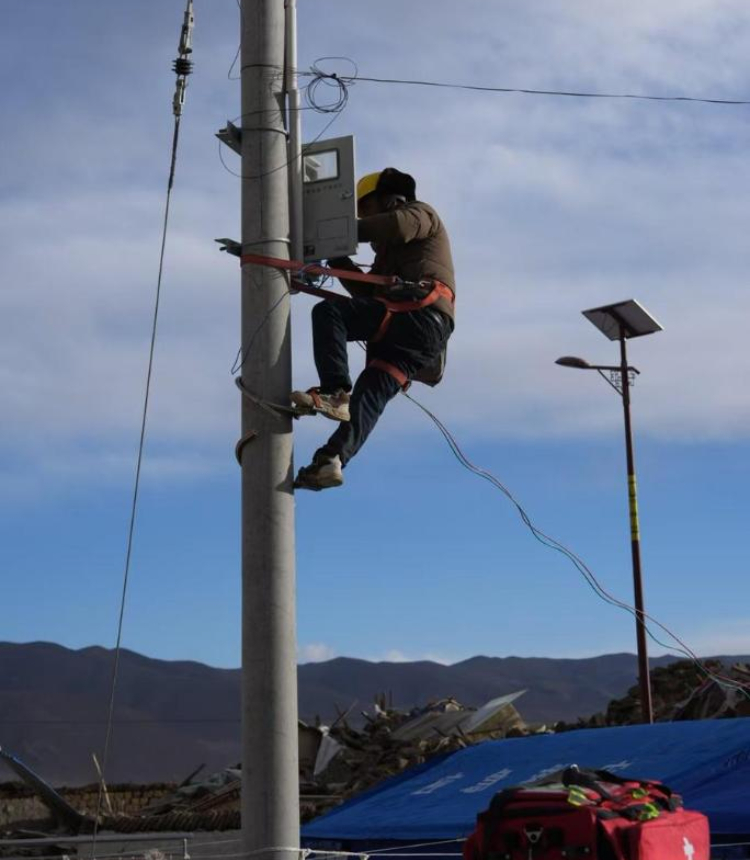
621,322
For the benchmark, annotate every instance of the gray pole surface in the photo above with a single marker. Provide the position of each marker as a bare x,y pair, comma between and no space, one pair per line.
270,789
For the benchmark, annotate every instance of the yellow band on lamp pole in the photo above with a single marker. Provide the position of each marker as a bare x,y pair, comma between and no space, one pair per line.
635,533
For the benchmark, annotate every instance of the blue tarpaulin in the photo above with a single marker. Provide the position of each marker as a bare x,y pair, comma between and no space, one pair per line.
707,761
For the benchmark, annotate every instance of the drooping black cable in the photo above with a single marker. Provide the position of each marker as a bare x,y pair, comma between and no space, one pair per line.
581,566
348,80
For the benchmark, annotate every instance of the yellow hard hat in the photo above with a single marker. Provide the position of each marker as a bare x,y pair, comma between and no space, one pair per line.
367,184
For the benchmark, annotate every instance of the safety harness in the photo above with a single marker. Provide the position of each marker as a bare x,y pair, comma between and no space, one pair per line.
437,291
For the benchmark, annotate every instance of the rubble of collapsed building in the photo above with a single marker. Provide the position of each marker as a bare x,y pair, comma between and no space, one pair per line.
680,691
336,763
359,750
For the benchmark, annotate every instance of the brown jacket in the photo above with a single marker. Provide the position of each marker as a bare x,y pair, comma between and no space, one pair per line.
410,242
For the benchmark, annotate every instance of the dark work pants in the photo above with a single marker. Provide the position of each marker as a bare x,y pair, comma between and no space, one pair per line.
413,340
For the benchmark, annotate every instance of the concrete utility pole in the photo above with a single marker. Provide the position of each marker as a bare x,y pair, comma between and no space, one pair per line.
270,790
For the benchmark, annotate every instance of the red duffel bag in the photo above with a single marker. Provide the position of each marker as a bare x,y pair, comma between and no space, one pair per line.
590,814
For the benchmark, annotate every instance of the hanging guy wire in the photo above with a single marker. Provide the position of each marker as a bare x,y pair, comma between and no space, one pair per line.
182,67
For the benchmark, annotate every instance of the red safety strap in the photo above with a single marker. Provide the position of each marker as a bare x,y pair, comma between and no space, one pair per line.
387,367
438,291
301,268
383,327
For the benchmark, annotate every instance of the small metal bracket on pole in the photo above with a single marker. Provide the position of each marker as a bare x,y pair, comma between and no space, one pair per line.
231,246
231,135
615,378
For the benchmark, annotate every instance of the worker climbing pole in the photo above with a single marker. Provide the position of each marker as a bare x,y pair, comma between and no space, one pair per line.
405,324
403,310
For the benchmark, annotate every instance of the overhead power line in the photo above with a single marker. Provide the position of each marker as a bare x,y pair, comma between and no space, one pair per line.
347,80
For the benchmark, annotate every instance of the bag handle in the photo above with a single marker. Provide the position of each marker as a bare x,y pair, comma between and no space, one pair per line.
591,778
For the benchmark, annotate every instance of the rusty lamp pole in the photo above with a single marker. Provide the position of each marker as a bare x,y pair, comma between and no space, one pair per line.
621,322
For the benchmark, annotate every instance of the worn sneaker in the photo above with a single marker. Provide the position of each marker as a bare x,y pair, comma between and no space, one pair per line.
322,473
334,406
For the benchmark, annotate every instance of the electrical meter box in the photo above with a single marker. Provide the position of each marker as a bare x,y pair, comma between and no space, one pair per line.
329,201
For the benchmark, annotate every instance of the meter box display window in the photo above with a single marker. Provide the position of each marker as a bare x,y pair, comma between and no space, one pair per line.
329,200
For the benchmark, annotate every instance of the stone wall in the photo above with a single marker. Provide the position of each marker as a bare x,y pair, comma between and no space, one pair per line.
19,803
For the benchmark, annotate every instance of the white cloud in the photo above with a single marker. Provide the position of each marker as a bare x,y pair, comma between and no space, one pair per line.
316,652
395,655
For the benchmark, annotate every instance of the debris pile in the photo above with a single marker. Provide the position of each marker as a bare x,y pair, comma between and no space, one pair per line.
336,763
212,803
680,691
340,761
351,760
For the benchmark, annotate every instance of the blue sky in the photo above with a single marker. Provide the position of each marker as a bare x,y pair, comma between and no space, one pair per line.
553,204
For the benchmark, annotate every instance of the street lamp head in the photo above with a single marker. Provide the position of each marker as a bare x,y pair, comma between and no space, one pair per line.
573,361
